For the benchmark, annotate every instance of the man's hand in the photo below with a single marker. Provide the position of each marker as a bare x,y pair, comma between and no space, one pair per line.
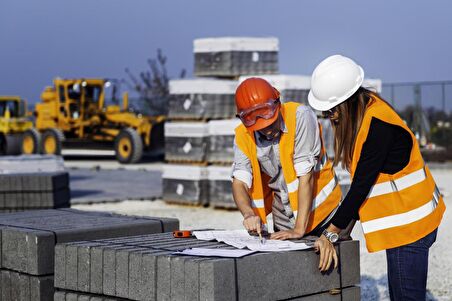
252,223
287,234
327,253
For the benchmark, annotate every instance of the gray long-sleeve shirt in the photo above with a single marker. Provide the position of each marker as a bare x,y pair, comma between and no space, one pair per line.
306,152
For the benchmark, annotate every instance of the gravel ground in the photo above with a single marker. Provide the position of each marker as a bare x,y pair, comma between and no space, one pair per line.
373,266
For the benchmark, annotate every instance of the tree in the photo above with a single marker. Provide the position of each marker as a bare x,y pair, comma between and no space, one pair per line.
152,86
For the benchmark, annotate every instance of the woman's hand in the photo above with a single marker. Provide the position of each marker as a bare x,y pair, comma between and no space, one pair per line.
287,234
327,253
252,223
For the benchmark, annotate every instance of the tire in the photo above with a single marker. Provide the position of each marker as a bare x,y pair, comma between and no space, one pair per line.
31,142
52,142
13,144
128,146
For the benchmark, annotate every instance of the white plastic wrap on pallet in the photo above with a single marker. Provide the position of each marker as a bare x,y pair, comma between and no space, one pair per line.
223,127
186,129
285,81
202,86
235,44
31,164
184,172
219,173
373,83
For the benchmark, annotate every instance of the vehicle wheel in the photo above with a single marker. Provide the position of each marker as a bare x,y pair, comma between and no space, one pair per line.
13,144
31,142
52,142
128,146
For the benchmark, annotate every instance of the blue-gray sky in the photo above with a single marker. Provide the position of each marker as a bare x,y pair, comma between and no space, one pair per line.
393,40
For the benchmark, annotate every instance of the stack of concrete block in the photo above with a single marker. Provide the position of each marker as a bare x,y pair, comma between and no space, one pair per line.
145,268
28,242
234,56
221,140
200,99
185,184
31,191
292,87
30,164
186,141
220,188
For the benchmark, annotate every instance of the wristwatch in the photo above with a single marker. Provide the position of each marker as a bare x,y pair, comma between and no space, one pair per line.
331,236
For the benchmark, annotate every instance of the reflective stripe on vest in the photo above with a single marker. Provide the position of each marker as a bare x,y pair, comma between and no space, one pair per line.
403,218
398,184
257,203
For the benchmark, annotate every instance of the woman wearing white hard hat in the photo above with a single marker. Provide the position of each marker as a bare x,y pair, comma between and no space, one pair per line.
392,193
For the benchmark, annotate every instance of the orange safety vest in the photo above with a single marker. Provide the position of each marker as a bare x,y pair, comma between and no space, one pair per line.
403,207
326,189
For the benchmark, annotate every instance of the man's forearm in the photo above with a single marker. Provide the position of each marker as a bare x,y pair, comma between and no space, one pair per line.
242,198
305,188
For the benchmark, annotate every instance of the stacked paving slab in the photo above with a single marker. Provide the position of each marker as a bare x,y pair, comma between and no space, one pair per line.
202,113
33,182
28,242
145,268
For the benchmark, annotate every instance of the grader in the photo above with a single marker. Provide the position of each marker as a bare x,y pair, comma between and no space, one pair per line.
73,114
16,129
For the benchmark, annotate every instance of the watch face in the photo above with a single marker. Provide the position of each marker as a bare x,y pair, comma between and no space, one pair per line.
334,237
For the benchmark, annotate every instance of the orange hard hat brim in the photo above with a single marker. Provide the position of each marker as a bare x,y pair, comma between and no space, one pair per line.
262,123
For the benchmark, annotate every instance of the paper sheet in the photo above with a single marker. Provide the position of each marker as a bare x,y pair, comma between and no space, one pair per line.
241,239
215,252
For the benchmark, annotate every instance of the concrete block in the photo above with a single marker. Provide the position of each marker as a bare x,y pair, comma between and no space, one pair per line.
71,296
109,271
177,278
59,296
4,183
122,271
60,266
83,267
15,182
352,293
15,286
96,270
24,287
278,283
71,264
6,285
164,277
152,281
217,280
2,200
350,270
41,288
191,275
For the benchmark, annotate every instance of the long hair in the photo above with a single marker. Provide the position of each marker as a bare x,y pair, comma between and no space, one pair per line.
350,116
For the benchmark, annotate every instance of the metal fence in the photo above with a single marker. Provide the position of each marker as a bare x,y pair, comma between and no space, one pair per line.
433,94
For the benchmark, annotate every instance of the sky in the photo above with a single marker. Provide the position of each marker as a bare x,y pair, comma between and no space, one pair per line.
396,41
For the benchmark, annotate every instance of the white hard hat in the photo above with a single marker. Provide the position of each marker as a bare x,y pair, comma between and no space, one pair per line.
334,80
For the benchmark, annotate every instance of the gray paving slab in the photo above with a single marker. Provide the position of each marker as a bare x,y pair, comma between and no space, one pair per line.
321,297
278,283
6,285
92,186
350,270
217,279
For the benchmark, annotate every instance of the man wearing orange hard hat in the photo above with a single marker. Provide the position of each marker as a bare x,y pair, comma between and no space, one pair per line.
281,168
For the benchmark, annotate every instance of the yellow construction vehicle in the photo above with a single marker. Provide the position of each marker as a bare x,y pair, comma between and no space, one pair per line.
16,130
73,114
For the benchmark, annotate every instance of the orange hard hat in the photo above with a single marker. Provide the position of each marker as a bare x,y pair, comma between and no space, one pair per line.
253,93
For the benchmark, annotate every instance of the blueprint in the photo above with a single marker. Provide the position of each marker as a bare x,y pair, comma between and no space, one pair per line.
240,239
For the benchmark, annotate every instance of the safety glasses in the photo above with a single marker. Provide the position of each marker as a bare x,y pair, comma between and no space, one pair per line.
265,110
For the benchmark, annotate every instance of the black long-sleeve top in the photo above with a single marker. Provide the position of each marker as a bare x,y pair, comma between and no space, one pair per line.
386,150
